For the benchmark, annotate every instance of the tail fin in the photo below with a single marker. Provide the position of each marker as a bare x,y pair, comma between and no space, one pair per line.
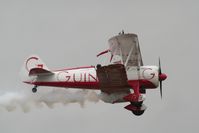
36,67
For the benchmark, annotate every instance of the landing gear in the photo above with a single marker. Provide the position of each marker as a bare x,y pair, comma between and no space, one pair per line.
34,89
139,110
136,99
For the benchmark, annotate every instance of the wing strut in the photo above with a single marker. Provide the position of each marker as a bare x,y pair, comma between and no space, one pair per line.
128,56
121,56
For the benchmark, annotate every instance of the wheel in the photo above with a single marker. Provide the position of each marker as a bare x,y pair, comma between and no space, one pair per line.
138,112
34,90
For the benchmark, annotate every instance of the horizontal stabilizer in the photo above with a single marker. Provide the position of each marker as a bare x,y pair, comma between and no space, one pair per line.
39,72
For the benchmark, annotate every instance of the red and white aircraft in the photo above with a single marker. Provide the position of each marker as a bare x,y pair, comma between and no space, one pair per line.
125,79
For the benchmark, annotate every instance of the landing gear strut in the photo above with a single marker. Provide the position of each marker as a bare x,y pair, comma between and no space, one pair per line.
34,89
137,104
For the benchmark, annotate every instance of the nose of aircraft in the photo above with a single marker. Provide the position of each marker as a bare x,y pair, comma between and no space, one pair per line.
162,76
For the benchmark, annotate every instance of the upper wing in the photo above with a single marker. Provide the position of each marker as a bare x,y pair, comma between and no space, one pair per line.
127,47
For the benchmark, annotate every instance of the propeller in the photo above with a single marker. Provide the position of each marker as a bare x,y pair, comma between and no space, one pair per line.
162,77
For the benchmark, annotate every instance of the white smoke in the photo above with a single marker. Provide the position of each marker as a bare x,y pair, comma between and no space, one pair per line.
26,100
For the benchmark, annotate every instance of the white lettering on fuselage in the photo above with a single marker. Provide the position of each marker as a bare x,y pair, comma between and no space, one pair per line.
65,76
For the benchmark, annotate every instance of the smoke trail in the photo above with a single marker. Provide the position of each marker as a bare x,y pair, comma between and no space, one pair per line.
49,97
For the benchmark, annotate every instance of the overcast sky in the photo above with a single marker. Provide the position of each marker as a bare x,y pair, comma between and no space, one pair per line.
70,33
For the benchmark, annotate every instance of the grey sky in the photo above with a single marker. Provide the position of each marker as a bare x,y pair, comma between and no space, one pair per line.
71,33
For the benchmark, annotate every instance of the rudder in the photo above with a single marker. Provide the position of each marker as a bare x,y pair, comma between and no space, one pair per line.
35,61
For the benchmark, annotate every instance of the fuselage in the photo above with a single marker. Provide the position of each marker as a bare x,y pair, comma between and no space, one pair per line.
86,77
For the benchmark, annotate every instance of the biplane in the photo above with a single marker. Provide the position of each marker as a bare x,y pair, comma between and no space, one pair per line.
124,79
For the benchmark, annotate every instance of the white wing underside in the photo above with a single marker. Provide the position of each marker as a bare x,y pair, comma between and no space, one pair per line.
126,46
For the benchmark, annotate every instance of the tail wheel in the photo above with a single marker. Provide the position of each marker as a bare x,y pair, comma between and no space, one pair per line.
34,89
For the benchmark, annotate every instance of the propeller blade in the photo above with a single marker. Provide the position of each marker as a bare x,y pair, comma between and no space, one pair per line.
160,71
161,89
